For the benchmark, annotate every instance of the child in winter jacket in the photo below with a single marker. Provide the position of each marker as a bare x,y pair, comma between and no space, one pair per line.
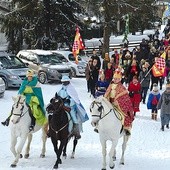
164,105
153,100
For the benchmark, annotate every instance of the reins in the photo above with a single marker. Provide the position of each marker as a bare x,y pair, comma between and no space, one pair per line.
57,131
100,108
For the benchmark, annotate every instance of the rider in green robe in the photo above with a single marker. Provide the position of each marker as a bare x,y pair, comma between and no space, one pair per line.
32,91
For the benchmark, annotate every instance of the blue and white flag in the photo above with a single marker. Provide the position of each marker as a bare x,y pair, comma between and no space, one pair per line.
166,12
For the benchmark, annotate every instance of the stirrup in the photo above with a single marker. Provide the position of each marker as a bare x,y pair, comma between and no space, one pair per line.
96,130
31,128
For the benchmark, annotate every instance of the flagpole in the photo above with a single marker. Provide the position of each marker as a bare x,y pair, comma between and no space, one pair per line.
146,75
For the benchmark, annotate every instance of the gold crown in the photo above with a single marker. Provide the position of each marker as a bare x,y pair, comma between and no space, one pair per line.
30,73
117,74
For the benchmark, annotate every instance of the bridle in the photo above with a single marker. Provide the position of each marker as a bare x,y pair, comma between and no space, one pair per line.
22,108
101,109
56,110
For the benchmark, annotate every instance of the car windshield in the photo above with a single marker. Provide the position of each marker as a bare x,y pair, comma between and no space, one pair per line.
11,62
49,59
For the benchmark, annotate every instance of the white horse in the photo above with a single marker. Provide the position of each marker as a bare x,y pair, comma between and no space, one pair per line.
19,125
109,124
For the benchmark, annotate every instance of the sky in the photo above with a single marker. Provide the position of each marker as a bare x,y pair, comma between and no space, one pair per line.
148,147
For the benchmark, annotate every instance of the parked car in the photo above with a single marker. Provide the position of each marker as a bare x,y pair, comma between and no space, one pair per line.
46,64
12,69
77,69
2,87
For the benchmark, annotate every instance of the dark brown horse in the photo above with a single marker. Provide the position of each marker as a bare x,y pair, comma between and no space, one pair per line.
58,128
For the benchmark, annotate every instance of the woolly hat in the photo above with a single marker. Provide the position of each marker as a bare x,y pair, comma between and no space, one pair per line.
65,78
155,87
30,73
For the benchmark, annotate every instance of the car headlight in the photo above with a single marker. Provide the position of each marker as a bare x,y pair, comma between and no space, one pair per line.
13,77
79,67
52,70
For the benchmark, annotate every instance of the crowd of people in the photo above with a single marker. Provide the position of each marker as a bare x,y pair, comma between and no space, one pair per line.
136,77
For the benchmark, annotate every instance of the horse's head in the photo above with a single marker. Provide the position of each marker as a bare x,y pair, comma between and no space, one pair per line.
55,105
98,108
18,108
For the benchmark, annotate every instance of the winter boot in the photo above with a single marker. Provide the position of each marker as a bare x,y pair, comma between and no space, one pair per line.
152,116
155,116
6,122
76,131
167,126
31,127
162,128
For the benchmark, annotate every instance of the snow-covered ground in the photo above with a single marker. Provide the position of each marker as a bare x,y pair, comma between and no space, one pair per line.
148,147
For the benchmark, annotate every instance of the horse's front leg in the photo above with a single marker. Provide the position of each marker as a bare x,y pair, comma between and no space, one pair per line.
74,147
112,153
27,149
13,144
104,152
44,139
19,150
125,140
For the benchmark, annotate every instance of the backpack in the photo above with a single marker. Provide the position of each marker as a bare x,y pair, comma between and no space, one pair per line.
154,100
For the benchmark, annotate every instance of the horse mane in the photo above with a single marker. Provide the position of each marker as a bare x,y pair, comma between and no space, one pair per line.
107,102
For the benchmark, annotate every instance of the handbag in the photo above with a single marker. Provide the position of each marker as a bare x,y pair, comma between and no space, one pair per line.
131,94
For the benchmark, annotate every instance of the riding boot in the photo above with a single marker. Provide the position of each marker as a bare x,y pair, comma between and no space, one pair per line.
31,128
6,122
76,131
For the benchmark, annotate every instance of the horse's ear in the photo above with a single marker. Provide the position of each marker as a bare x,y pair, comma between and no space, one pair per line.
52,99
56,95
14,98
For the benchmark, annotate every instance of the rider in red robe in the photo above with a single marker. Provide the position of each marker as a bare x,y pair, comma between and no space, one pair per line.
118,95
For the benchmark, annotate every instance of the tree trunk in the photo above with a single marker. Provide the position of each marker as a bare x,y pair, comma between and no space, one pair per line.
106,39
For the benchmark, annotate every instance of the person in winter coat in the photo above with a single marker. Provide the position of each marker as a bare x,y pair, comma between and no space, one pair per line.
87,74
94,72
164,106
109,72
134,89
101,86
144,78
117,94
132,70
152,102
98,65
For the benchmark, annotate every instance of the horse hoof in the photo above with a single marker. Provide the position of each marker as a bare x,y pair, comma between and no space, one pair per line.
26,156
103,168
55,167
114,158
122,163
111,167
72,157
42,156
59,161
13,165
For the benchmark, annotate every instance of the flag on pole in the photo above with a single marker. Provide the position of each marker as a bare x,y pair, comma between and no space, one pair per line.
158,68
77,45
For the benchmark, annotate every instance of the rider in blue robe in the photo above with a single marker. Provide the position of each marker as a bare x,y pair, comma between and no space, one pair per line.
70,97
